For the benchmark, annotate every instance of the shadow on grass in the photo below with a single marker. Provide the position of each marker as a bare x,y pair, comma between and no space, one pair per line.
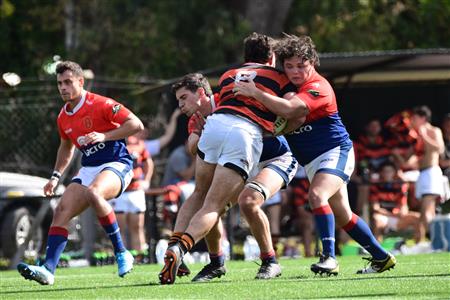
363,277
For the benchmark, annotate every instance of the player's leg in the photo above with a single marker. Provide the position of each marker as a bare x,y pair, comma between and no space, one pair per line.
359,231
306,225
121,209
216,267
256,191
322,187
72,203
427,212
380,223
135,219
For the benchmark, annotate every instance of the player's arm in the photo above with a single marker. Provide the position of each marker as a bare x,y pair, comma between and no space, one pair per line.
376,208
293,124
63,157
130,126
293,108
192,143
170,129
148,166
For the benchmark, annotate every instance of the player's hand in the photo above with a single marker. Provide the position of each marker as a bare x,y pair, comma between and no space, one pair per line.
94,137
176,113
245,88
49,188
199,122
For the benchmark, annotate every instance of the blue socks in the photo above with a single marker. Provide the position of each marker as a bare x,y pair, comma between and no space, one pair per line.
325,225
361,233
56,242
111,227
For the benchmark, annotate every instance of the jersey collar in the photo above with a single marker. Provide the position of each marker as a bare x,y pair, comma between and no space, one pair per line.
78,106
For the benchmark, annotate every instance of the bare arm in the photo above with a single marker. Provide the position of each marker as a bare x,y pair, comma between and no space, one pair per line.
63,157
131,126
170,129
293,124
293,108
376,208
148,167
192,143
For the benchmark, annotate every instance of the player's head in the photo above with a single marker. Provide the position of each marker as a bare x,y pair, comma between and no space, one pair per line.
373,127
192,91
69,77
298,56
258,48
420,115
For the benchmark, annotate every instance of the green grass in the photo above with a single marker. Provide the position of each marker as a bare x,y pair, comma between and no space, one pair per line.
415,277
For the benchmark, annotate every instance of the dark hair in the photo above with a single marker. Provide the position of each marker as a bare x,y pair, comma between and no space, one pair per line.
387,164
301,46
258,48
193,82
423,111
71,66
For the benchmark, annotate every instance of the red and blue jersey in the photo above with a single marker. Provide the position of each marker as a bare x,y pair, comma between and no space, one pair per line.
323,129
99,114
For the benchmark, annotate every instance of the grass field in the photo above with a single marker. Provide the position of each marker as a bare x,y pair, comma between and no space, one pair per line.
415,277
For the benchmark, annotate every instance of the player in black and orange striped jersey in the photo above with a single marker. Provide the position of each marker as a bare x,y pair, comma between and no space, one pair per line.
266,78
388,204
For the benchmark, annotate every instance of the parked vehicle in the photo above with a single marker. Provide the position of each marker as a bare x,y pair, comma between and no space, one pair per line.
20,198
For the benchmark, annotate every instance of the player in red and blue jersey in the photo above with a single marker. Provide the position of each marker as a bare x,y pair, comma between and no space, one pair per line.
322,145
97,126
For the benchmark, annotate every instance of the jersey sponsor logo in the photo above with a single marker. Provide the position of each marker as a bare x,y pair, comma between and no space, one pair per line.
245,76
116,108
67,131
89,102
87,122
92,150
302,129
326,160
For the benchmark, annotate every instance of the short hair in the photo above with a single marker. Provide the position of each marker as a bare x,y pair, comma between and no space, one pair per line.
193,82
258,48
423,111
71,66
387,164
301,46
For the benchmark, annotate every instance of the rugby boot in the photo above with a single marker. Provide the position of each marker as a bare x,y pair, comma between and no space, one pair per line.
268,271
378,266
327,265
37,273
124,262
172,261
209,272
183,270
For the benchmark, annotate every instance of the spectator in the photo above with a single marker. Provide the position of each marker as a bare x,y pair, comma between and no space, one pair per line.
154,146
130,206
180,166
388,204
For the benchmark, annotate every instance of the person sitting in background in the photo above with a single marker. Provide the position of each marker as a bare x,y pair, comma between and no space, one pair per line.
130,206
388,204
180,166
154,146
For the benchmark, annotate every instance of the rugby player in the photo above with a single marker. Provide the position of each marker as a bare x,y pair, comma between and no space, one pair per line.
97,126
322,145
230,145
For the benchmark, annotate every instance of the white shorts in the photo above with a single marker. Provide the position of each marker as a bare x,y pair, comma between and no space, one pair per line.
285,165
231,141
430,182
339,161
129,202
86,175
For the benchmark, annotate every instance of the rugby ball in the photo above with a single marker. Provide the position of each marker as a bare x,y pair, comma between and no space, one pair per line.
279,125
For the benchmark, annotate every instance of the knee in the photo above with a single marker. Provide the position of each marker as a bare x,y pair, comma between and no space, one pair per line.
316,199
93,194
248,204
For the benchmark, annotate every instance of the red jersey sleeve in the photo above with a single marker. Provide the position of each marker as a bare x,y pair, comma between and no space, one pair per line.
115,112
315,95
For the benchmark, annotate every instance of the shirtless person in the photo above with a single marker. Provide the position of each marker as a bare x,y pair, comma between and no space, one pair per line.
429,186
